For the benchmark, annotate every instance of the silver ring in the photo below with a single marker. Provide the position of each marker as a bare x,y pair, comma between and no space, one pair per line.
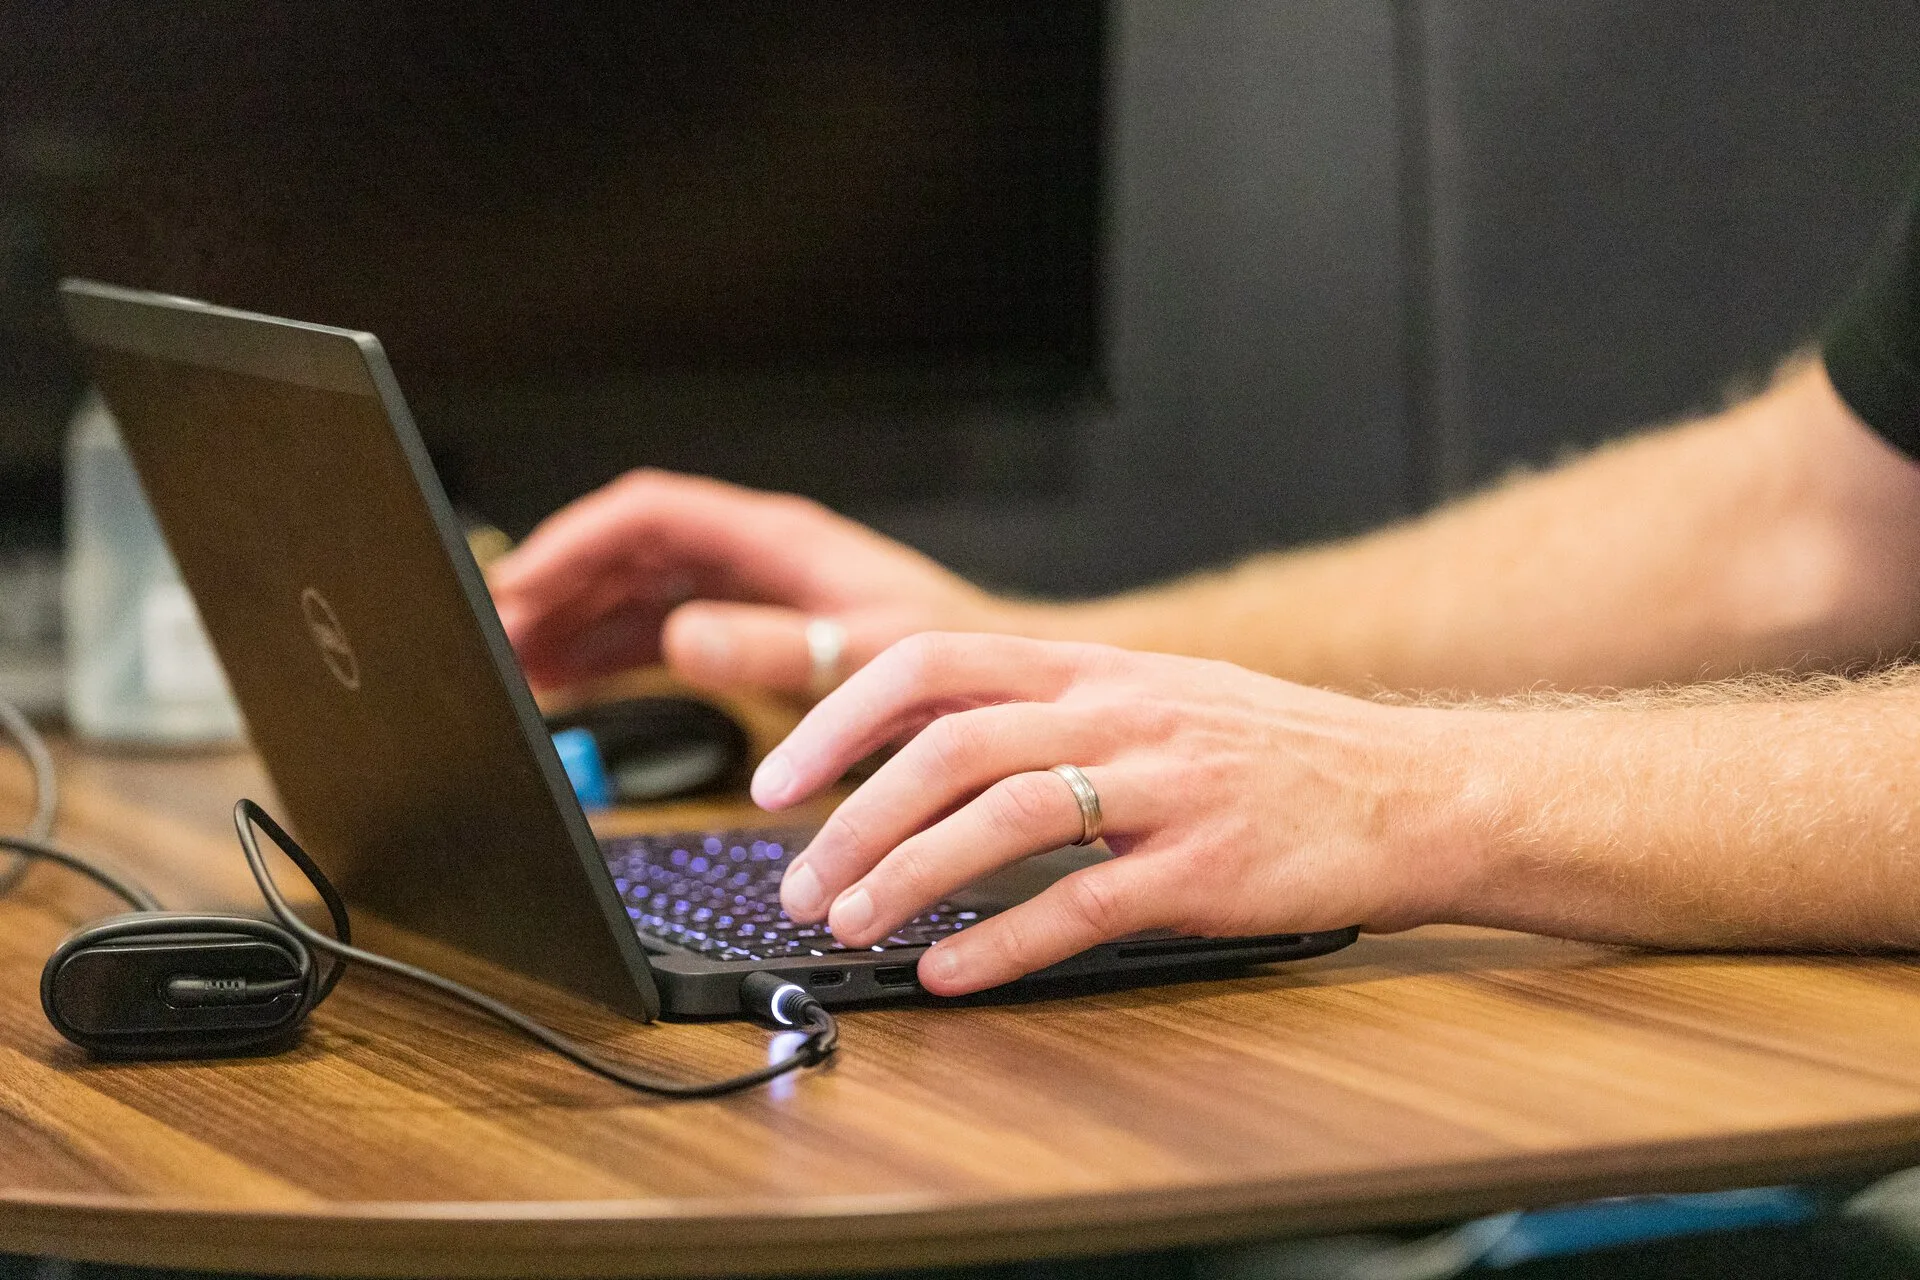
1086,797
826,642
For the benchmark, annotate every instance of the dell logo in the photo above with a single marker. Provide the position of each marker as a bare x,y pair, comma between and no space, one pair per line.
324,625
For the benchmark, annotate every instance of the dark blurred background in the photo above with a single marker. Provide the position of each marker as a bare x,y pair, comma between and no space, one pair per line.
1070,294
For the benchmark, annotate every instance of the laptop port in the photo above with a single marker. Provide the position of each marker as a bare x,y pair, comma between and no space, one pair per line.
826,977
895,975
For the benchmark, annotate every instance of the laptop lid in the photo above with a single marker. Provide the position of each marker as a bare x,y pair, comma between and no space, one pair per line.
357,633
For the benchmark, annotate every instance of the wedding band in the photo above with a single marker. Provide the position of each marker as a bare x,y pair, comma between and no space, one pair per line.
826,641
1086,797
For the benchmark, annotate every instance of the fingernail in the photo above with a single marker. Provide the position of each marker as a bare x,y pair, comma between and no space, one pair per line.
801,893
853,913
772,781
938,965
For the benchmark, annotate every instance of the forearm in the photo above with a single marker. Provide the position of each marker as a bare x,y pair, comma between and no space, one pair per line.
1775,534
1776,823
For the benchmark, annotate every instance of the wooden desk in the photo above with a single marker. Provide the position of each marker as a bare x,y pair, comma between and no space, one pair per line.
1446,1072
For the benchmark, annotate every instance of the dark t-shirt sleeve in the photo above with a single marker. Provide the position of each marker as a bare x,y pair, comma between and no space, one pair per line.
1872,345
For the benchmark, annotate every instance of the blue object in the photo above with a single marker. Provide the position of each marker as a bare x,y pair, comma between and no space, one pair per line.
1602,1224
586,768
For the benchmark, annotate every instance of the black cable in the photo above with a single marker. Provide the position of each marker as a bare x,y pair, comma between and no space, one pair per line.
46,789
822,1033
34,843
782,1001
126,890
247,811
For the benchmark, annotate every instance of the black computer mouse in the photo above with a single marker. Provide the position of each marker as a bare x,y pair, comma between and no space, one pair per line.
661,747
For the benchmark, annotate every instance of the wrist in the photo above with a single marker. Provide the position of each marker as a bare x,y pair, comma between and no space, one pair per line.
1531,785
1483,765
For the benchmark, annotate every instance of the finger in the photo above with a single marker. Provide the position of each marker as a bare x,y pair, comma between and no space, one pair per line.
654,538
914,680
1094,905
719,645
1015,818
628,636
531,619
642,517
553,586
585,593
648,520
953,760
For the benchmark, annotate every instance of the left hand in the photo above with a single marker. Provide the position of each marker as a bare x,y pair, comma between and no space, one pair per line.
721,582
1236,804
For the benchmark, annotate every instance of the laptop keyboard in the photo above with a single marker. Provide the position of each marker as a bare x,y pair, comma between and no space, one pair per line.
718,894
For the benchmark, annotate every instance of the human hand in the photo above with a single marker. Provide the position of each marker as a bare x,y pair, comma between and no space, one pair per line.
1236,804
719,580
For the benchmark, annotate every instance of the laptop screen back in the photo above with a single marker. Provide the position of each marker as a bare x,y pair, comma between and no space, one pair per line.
357,633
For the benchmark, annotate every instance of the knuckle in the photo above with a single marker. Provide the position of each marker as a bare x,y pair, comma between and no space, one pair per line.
1109,661
1159,720
1026,804
1008,947
1091,901
911,875
917,656
1097,665
842,830
795,505
889,671
793,515
641,481
954,742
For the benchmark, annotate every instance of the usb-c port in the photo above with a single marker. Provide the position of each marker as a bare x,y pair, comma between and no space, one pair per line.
826,977
895,975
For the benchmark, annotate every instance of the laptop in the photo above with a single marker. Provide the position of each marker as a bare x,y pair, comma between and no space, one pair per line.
380,691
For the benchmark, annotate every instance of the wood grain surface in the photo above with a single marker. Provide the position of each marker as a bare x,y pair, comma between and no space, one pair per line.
1442,1072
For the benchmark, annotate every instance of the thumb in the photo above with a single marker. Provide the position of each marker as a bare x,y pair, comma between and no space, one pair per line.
720,645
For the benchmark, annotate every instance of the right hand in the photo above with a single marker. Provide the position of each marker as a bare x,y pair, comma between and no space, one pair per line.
720,581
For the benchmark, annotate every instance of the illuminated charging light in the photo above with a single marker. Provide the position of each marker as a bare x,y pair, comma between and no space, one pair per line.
780,999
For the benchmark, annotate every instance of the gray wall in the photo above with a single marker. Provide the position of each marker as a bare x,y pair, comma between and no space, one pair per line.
1634,205
1359,255
1253,304
1364,255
